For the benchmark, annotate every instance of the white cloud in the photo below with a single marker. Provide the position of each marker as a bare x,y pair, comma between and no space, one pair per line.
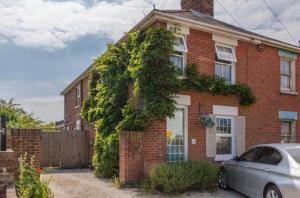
52,24
48,108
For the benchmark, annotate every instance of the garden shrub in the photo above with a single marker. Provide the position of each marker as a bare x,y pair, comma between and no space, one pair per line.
29,183
183,176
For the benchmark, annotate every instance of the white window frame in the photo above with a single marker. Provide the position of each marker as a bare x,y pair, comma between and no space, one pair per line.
293,130
78,96
226,157
186,141
184,43
292,88
232,74
225,46
182,52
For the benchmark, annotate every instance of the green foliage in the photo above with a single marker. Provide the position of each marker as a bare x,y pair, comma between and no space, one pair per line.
155,77
29,184
106,156
216,86
17,117
183,176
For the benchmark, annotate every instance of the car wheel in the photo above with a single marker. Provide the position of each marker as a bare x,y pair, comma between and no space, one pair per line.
272,192
222,180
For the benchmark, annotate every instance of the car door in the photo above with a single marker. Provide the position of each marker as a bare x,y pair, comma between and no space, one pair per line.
258,171
238,170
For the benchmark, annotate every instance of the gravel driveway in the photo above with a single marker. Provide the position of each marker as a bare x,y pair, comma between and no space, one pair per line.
82,184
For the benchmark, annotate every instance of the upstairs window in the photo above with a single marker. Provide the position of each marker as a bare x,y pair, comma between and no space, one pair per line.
78,96
179,57
225,53
286,74
225,63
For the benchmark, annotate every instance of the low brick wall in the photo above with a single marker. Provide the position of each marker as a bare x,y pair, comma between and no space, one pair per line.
131,156
140,151
23,141
8,170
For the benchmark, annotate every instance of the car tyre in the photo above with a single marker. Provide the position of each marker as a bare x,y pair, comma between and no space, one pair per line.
222,179
272,192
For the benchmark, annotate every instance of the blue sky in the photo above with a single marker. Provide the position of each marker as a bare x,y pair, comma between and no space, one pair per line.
44,45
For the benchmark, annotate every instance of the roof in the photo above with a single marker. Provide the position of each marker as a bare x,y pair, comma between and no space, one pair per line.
202,19
83,75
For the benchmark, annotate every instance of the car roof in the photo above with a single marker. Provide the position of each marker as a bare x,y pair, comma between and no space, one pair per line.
280,145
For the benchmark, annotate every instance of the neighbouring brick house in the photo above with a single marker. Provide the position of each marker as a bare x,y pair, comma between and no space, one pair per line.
267,65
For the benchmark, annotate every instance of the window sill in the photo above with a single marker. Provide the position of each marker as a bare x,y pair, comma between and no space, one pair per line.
78,106
289,92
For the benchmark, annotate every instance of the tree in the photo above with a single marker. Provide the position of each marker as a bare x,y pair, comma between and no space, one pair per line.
17,117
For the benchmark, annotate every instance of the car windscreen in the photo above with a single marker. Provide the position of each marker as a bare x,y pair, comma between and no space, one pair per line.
295,153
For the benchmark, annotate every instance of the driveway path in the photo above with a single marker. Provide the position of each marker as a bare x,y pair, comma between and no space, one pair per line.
82,184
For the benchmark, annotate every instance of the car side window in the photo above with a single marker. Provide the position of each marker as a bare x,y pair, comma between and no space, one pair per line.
268,155
249,156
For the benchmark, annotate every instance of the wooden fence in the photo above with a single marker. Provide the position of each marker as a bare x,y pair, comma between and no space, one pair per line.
65,149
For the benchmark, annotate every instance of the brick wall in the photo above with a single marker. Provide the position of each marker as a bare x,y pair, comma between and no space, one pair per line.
8,170
140,151
131,156
25,141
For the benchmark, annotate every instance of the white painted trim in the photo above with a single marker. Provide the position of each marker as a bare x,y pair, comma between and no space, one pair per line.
233,140
183,100
186,136
225,40
225,110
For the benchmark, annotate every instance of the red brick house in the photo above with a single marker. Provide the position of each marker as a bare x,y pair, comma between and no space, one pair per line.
267,65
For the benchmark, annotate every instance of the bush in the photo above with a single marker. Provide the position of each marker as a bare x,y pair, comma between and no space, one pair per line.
183,176
29,184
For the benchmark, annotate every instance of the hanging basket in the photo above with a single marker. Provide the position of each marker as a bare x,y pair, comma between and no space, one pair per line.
206,121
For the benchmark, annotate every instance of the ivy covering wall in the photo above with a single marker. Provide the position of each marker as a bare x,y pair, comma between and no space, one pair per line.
142,61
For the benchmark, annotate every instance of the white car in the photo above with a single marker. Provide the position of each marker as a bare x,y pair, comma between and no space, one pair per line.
264,171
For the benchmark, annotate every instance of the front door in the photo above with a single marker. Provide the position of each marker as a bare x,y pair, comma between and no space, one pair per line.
177,135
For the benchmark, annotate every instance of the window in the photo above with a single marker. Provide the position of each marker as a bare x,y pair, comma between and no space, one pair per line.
249,156
224,135
225,63
268,155
78,125
178,58
285,74
78,96
225,53
286,131
223,70
175,137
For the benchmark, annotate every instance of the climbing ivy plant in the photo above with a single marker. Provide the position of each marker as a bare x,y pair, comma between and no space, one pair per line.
142,61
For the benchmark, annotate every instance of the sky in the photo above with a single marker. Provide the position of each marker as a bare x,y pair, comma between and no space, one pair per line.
45,45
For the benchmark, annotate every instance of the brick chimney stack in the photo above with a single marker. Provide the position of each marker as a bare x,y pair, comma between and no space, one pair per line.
203,6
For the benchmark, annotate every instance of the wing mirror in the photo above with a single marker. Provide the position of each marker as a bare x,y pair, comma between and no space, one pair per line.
235,158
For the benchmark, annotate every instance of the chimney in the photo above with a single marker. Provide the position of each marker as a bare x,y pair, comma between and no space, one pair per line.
203,6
